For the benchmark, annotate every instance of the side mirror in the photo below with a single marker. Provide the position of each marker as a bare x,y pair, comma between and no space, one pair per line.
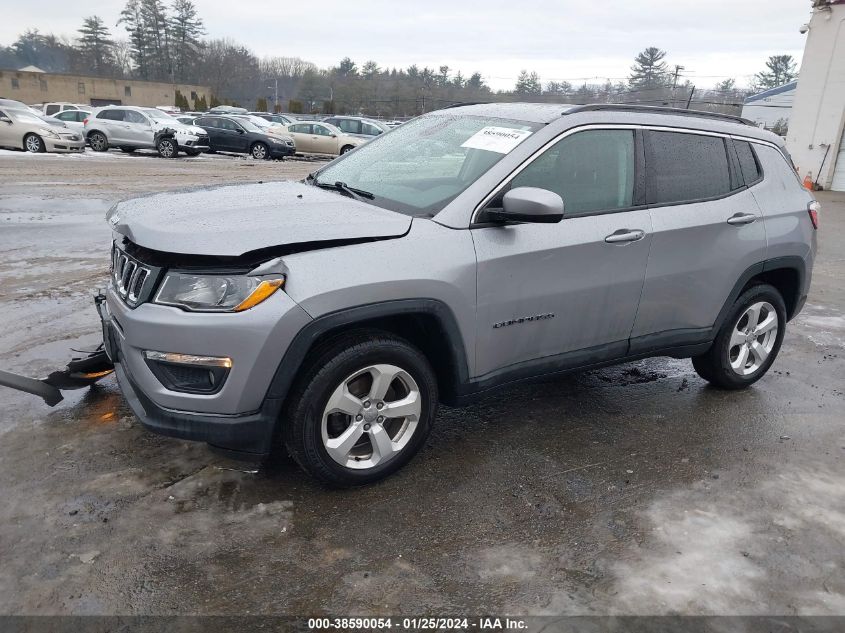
6,119
241,130
334,135
528,204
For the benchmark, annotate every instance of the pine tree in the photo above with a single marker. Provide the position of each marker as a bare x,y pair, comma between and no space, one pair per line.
157,28
133,21
528,84
649,70
96,46
781,70
186,28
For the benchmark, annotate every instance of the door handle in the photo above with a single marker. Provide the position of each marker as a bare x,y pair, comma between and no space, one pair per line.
623,236
742,218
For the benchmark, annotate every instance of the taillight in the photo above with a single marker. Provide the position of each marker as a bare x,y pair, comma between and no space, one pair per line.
85,121
813,209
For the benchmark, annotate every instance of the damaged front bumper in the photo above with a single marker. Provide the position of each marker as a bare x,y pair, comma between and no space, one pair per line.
80,372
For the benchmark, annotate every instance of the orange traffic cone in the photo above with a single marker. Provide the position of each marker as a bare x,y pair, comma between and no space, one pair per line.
808,181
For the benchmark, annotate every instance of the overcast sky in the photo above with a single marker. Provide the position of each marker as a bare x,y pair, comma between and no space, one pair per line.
560,39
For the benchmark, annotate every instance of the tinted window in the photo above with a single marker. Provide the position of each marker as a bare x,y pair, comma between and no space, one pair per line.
301,128
135,117
370,130
591,171
52,109
350,126
111,115
683,167
747,162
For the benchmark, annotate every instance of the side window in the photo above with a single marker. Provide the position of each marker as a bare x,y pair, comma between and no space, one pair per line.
591,171
67,115
52,109
135,117
370,130
684,167
747,162
111,115
350,126
302,128
321,130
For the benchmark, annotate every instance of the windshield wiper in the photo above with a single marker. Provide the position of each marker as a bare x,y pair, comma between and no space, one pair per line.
352,192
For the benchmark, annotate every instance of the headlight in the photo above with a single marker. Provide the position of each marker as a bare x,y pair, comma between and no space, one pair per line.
276,140
50,133
215,293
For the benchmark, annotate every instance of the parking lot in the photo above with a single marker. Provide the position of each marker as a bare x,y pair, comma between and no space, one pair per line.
630,490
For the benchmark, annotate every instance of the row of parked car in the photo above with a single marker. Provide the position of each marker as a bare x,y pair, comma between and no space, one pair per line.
70,127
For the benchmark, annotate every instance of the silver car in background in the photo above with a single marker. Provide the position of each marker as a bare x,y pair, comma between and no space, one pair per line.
22,129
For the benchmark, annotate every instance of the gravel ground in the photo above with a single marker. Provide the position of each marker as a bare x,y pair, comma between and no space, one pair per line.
630,490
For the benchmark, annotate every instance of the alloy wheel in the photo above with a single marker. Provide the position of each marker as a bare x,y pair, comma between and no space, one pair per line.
259,152
98,142
166,148
371,416
752,338
34,143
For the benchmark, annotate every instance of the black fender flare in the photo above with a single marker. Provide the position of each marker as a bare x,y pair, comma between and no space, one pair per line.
791,262
164,133
348,318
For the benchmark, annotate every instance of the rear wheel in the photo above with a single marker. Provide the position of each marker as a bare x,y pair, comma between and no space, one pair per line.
748,342
364,406
33,143
259,151
167,147
98,141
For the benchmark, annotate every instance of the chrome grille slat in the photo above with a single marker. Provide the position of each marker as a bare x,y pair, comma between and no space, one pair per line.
129,277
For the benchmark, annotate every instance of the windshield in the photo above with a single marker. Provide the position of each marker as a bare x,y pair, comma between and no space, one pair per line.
22,116
249,126
157,114
257,121
420,167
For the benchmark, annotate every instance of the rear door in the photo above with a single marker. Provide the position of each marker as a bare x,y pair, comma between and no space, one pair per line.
708,231
301,133
111,122
551,289
212,127
8,133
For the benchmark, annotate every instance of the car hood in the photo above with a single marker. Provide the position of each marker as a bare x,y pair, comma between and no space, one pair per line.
232,220
178,126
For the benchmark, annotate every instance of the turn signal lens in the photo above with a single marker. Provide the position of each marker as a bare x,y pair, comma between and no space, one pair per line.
813,209
262,292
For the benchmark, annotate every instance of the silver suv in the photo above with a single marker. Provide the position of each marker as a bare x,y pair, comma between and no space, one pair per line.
131,128
465,250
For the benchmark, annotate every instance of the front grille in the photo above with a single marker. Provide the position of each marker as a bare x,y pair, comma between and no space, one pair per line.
202,140
132,279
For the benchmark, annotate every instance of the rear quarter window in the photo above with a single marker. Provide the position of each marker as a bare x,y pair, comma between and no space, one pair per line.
748,162
684,167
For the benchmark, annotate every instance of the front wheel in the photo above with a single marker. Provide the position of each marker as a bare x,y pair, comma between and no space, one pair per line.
167,147
346,148
260,151
363,407
748,342
192,152
33,143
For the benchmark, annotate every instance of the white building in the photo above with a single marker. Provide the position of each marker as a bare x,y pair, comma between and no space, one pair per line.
768,108
817,123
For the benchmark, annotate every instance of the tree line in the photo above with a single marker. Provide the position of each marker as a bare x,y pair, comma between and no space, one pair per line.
156,41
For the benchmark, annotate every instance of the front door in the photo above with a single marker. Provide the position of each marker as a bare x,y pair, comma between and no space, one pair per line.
550,289
324,140
708,230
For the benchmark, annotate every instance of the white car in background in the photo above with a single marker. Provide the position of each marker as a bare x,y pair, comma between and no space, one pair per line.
321,138
73,119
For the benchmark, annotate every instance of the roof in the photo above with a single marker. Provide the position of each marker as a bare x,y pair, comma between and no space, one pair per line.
532,112
30,69
771,92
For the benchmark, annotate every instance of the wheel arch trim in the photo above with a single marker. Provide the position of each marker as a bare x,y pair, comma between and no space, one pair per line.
305,339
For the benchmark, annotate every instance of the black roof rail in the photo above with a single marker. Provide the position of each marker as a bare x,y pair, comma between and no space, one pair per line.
625,107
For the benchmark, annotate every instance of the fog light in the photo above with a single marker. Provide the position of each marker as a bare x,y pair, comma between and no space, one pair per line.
189,373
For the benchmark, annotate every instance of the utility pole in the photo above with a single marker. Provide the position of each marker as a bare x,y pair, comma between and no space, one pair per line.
691,93
678,69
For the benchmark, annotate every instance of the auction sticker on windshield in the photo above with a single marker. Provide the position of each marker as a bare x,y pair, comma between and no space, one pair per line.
496,139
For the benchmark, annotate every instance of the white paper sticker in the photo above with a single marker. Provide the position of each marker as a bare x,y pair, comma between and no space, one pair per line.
496,139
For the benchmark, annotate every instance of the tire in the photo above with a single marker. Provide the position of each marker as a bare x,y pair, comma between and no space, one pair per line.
98,142
346,148
167,147
259,151
34,144
745,346
127,150
192,152
380,445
